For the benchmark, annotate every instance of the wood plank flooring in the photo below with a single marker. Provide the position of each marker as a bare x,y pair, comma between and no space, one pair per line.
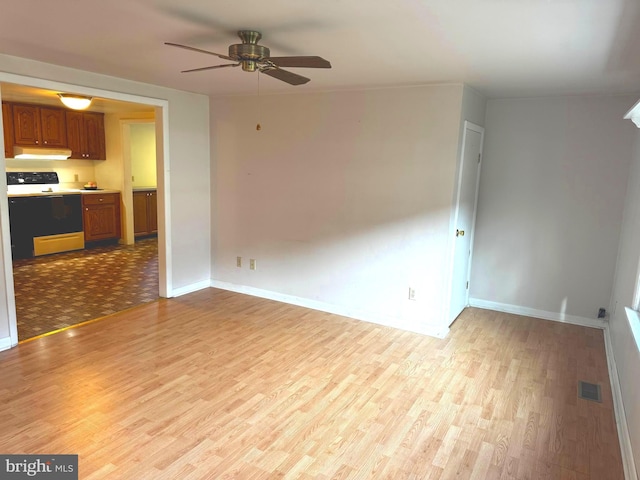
217,385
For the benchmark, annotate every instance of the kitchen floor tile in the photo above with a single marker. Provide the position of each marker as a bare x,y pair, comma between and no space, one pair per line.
63,289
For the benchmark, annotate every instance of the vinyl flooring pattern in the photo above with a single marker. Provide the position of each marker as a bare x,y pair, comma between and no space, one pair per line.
215,385
63,289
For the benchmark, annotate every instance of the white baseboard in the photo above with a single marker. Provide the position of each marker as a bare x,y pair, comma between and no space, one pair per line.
5,343
628,463
194,287
532,312
438,332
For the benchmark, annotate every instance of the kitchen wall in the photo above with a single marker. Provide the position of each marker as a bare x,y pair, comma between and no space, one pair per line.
67,169
143,154
343,198
550,208
187,199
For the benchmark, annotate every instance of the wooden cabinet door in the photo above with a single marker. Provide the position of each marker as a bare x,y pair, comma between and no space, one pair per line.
145,213
7,123
85,135
140,216
99,222
26,125
101,216
75,136
152,209
94,136
53,129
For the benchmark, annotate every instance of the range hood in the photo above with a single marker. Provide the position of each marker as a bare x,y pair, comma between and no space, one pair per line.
41,153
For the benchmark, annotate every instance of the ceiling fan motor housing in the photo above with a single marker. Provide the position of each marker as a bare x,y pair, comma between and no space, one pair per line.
248,52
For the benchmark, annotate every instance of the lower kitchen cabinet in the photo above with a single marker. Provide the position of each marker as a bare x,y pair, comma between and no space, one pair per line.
145,212
101,216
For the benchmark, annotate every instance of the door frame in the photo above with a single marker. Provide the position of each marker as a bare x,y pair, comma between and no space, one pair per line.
467,125
162,171
125,129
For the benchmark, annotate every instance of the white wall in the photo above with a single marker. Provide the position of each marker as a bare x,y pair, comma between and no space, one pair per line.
625,351
343,199
552,192
188,154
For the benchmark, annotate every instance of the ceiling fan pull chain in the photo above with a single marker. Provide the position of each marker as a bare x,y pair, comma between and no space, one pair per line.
258,126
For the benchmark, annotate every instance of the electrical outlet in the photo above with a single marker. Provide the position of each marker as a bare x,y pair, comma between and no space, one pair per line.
252,264
412,293
239,262
75,177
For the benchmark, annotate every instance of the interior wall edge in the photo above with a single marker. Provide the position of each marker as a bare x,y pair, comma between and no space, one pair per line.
6,343
193,287
626,449
437,331
535,313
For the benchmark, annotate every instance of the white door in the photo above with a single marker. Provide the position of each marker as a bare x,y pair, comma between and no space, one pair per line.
464,217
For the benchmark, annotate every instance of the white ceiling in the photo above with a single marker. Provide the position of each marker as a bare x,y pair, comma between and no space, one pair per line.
500,47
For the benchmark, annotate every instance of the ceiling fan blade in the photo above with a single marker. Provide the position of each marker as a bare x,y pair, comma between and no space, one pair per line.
304,62
289,77
210,68
193,49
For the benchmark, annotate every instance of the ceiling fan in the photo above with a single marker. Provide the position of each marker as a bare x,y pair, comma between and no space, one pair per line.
252,57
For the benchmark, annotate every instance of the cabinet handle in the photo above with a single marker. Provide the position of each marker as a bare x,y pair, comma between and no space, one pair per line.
101,199
45,142
36,142
86,208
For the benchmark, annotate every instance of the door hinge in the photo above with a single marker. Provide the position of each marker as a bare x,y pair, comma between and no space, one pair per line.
479,156
467,285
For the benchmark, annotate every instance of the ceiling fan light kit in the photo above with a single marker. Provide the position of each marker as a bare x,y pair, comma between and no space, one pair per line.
253,57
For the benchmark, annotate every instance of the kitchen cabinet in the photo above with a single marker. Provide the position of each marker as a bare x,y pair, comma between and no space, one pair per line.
101,216
85,135
7,121
145,212
39,125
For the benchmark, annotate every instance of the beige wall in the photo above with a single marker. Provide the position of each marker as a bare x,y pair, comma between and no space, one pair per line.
343,198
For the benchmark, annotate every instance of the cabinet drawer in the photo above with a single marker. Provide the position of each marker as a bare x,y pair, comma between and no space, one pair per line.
99,199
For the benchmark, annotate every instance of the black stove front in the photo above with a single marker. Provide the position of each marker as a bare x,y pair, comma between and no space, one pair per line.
39,215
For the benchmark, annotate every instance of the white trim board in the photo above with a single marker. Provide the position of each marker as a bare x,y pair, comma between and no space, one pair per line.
532,312
440,332
6,344
194,287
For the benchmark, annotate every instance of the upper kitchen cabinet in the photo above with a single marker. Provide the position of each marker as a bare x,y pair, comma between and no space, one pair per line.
7,121
85,135
38,125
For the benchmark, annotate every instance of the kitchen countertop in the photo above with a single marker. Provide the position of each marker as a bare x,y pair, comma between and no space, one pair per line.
144,189
66,191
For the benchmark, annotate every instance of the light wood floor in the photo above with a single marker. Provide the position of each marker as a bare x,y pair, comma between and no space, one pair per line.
217,385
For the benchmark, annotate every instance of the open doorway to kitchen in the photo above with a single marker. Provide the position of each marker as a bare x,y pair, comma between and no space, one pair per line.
63,289
139,147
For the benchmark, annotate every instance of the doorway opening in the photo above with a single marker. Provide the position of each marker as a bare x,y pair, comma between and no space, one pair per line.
94,282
